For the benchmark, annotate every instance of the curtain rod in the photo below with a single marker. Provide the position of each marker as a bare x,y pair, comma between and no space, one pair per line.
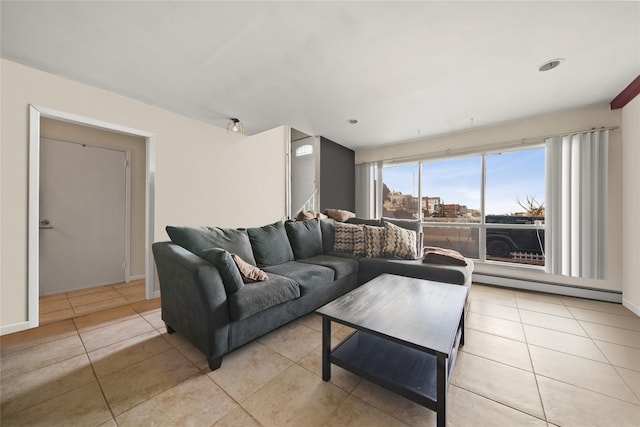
492,147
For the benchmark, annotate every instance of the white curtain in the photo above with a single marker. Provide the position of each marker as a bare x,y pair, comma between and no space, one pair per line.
366,190
576,204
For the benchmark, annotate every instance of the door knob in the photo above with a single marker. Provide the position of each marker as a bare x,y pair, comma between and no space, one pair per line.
45,224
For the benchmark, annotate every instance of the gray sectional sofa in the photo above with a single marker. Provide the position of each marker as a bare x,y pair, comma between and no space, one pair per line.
204,298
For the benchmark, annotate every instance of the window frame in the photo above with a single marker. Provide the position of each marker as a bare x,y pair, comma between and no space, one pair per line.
481,226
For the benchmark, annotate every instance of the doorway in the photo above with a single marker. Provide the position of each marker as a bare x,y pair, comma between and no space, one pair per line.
84,215
35,116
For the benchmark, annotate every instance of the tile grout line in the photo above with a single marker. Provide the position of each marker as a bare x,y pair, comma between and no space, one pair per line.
504,404
95,375
533,368
602,352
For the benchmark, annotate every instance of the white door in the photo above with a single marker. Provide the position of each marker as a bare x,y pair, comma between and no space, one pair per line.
82,216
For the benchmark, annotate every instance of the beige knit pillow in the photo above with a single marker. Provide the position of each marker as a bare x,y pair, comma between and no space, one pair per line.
399,242
339,214
250,273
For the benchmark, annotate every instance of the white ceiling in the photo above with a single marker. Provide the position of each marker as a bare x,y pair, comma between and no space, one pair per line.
405,70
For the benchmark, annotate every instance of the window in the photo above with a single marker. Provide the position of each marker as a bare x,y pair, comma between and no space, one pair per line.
451,190
502,220
515,195
400,192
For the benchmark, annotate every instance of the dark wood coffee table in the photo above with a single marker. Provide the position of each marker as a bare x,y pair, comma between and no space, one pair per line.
406,339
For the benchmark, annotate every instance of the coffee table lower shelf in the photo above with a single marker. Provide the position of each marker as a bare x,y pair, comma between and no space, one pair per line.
404,370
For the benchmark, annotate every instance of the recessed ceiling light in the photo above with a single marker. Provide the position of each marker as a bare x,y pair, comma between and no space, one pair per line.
352,121
550,65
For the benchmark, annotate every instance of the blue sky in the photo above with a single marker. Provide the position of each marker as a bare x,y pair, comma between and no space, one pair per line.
510,175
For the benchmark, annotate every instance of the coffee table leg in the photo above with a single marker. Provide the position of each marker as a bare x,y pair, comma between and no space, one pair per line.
462,328
442,390
326,348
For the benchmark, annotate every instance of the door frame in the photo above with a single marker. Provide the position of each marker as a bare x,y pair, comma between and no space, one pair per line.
127,196
35,113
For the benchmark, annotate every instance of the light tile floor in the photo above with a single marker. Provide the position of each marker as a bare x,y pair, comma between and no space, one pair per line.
72,304
529,360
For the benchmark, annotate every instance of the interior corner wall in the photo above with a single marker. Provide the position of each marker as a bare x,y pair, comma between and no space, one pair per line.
203,175
568,121
631,205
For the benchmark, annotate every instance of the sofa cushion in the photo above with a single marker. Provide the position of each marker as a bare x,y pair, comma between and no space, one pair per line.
305,237
365,221
270,244
227,267
341,266
399,242
306,275
255,297
373,267
199,239
374,241
250,273
328,228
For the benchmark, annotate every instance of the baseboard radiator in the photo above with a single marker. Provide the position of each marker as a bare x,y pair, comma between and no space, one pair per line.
550,288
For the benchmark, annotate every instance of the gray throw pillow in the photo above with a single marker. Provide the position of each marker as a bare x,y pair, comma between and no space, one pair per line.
270,244
199,239
227,267
305,237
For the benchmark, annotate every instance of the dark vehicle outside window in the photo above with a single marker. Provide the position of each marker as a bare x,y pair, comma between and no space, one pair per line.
502,242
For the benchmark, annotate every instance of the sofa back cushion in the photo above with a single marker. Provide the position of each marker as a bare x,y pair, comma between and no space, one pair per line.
305,237
364,221
328,228
270,244
199,239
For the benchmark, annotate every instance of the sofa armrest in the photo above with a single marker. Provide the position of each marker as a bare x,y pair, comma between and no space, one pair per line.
193,298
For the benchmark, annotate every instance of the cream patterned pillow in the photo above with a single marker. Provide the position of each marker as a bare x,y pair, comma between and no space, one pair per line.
374,241
399,242
358,240
349,238
343,241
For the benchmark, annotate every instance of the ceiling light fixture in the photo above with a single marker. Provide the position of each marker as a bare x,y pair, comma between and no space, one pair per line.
550,65
235,126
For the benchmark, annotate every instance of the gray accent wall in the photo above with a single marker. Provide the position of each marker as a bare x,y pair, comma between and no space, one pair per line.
337,176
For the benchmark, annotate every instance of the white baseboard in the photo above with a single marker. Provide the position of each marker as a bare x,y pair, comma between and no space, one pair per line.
16,327
550,288
156,294
138,277
631,306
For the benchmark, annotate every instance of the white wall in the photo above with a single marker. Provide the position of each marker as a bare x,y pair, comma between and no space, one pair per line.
533,127
203,174
631,205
